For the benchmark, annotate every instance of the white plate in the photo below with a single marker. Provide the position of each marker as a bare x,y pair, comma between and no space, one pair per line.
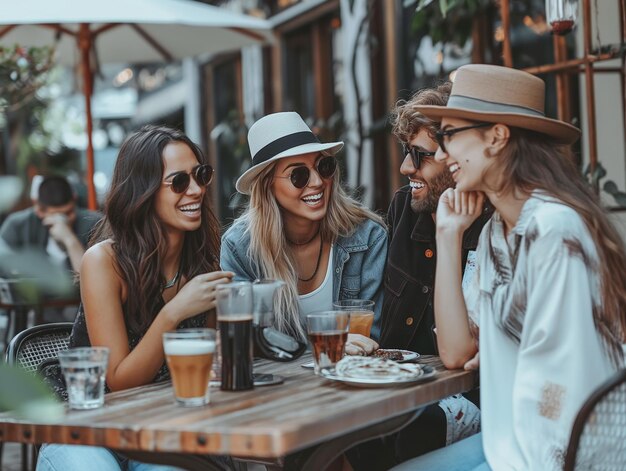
407,355
428,373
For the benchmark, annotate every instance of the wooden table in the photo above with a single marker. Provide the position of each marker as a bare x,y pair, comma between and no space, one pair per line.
302,424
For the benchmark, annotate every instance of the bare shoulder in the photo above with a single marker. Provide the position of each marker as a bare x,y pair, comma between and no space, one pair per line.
100,254
99,264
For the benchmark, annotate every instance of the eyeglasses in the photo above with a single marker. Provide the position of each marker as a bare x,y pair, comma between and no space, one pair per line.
300,176
416,154
202,174
441,135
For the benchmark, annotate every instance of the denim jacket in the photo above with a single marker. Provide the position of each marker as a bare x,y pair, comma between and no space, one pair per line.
358,263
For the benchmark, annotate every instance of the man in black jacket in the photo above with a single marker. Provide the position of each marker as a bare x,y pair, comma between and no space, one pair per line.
407,314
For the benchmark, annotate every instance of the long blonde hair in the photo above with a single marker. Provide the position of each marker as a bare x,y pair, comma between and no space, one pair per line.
269,251
531,161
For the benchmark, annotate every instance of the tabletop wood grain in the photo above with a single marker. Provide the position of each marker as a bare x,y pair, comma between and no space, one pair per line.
265,423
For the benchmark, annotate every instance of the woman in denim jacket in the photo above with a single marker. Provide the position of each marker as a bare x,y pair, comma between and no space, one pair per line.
302,228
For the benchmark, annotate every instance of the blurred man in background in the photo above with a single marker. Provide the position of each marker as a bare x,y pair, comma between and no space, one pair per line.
54,224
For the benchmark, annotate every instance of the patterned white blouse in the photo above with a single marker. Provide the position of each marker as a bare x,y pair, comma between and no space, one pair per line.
533,298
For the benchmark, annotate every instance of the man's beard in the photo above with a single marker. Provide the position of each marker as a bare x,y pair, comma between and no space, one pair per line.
436,187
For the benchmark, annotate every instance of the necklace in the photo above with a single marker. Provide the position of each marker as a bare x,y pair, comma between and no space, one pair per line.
172,282
291,242
317,265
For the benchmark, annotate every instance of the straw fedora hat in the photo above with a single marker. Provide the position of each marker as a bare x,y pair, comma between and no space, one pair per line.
494,94
277,136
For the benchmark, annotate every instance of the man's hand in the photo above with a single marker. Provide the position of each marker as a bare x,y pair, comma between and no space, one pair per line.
358,344
59,229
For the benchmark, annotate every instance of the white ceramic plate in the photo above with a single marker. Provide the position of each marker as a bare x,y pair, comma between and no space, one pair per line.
428,373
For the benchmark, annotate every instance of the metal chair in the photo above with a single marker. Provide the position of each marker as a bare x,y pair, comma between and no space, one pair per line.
32,347
598,439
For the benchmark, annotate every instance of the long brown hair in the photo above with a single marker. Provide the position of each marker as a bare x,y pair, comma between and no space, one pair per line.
139,239
532,161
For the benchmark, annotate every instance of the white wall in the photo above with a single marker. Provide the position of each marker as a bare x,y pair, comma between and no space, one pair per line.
608,95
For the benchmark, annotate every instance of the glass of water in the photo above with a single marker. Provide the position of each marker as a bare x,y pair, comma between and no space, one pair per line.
84,370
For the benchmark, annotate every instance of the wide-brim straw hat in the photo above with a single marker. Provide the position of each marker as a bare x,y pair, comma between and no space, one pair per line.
494,94
277,136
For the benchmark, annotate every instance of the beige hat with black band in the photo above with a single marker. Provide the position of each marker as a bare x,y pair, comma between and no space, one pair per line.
277,136
494,94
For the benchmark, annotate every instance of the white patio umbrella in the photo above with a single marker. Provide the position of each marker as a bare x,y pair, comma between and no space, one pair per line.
131,31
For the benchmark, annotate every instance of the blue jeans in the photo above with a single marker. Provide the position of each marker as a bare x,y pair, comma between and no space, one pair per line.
54,457
466,455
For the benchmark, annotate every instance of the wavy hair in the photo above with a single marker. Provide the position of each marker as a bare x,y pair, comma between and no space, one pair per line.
406,121
138,235
532,161
271,254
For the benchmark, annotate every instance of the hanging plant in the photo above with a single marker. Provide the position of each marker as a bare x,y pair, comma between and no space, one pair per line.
448,21
22,72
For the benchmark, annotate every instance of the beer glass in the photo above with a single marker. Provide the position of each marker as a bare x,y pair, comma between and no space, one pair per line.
234,318
328,332
361,314
189,355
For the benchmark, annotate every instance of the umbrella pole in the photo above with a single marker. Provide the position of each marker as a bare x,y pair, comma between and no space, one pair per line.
84,44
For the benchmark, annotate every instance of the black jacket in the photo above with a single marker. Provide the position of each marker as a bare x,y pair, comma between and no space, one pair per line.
407,314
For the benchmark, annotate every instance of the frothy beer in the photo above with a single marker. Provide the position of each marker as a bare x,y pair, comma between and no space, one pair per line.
189,362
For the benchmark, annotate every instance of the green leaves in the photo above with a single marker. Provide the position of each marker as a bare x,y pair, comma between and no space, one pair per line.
447,21
22,72
26,395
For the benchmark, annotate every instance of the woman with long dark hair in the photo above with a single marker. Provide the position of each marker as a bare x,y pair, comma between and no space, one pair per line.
152,267
546,305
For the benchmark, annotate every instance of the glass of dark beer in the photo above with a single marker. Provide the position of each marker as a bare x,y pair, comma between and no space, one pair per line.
234,319
328,332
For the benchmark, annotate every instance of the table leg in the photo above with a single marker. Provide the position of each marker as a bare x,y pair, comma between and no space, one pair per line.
320,456
185,461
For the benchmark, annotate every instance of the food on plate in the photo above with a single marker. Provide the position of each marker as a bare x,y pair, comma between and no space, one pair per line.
373,367
387,354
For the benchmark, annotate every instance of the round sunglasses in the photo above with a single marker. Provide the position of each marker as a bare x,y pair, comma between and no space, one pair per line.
300,176
202,174
416,154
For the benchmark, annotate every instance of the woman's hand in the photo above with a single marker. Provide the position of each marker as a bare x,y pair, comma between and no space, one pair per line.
474,363
198,295
358,344
457,210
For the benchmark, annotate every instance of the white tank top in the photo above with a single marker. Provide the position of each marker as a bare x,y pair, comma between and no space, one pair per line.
321,298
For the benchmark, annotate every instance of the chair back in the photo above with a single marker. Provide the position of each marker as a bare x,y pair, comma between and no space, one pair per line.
31,347
598,439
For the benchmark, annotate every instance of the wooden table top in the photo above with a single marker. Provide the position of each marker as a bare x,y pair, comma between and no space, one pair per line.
267,423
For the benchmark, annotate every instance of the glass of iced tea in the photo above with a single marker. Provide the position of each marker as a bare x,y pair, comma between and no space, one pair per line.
189,355
328,332
361,314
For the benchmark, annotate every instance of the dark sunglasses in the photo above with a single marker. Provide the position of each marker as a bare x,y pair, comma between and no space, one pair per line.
416,154
441,135
300,176
202,174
